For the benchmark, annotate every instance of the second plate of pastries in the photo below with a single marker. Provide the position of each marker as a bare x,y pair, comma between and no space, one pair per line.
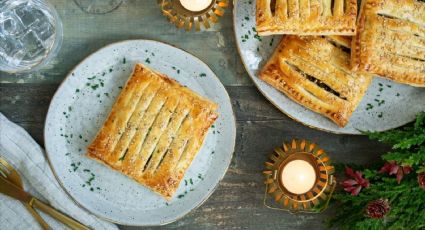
332,69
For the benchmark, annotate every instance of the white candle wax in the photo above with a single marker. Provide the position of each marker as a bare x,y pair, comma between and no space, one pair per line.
195,5
298,176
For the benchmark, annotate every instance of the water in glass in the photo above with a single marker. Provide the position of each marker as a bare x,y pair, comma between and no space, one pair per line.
30,34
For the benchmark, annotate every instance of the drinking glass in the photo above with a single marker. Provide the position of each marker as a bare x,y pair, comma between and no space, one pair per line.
98,6
30,34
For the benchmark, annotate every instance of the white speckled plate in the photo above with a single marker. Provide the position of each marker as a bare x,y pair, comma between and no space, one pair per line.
386,104
80,106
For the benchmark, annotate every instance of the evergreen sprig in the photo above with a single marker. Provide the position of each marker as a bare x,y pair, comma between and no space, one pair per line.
407,199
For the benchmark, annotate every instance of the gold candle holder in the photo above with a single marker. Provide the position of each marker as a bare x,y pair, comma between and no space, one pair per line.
314,200
187,19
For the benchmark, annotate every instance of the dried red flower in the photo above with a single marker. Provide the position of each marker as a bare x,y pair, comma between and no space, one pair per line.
421,180
378,208
355,183
392,168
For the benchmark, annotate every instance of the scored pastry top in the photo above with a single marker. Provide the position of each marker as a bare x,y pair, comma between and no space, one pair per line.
315,72
390,40
155,129
306,17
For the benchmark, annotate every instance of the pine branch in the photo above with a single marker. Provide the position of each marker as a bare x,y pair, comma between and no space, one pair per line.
407,199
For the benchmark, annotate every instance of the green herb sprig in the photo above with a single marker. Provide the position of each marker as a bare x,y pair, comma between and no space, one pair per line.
406,199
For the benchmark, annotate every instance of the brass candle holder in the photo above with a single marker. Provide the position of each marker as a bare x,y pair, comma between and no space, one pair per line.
187,19
314,200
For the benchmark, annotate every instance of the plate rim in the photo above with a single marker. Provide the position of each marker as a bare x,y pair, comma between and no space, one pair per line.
235,3
210,192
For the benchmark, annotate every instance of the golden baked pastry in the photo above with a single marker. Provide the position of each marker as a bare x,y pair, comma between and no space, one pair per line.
155,129
390,40
315,72
306,17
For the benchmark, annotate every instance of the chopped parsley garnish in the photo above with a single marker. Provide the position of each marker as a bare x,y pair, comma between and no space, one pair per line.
75,166
202,75
147,60
380,102
200,176
92,177
258,37
94,87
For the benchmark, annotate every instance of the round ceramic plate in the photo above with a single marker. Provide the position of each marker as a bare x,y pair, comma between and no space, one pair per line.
80,106
386,104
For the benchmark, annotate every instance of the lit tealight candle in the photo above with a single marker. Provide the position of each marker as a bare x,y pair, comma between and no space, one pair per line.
298,176
195,5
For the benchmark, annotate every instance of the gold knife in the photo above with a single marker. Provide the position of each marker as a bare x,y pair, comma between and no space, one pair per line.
13,191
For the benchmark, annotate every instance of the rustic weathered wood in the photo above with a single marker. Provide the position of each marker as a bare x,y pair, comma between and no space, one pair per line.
136,19
237,202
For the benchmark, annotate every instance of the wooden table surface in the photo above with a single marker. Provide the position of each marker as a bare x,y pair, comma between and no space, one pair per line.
237,203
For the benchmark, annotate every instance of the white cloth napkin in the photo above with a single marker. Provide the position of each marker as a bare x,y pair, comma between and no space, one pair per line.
28,158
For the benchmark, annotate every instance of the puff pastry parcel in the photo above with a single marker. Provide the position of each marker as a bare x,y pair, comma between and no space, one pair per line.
306,17
315,72
155,129
391,40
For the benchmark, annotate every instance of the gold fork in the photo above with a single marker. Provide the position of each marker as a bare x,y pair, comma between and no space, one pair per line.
8,172
10,189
